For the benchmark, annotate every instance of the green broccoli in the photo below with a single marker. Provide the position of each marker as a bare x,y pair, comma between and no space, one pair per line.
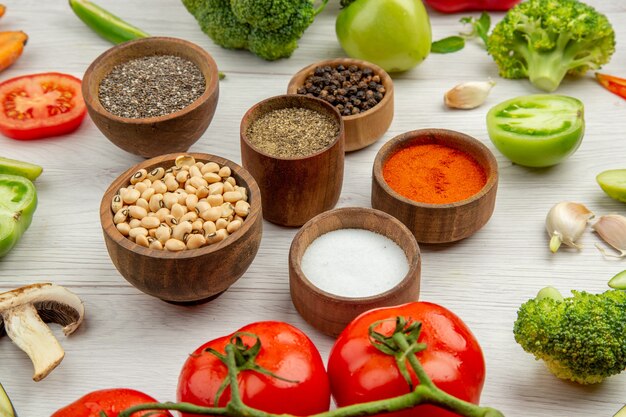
546,39
268,28
580,338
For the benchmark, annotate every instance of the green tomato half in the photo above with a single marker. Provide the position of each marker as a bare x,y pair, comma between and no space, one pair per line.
613,183
393,34
538,130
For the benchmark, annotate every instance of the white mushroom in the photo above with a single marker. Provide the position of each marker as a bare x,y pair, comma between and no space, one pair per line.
23,314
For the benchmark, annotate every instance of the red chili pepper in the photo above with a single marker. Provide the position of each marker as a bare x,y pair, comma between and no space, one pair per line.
615,85
453,6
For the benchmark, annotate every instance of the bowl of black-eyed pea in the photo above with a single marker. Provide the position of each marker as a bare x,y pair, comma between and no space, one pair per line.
182,227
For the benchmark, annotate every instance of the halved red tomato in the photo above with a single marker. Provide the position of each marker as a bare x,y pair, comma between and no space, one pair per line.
41,105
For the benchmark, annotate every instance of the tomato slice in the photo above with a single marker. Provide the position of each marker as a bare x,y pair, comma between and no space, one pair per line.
41,105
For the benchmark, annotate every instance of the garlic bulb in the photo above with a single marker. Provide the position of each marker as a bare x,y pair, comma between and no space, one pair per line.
565,223
468,95
612,229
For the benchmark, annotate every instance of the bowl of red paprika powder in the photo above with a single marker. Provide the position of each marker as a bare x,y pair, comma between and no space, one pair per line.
440,183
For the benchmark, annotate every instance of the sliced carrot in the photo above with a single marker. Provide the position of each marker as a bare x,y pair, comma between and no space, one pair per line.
11,47
614,84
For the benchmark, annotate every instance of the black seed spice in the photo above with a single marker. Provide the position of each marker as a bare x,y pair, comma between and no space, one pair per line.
352,90
292,132
151,86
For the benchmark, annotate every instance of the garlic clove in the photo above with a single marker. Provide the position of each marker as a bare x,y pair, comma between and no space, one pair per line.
612,229
468,95
565,223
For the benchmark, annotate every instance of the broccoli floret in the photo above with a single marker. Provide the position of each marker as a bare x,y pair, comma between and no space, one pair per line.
580,338
268,28
546,39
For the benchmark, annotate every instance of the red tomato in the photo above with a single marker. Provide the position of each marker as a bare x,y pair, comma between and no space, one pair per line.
359,372
454,6
285,352
111,401
41,105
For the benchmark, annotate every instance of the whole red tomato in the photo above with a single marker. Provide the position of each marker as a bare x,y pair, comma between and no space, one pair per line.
111,401
453,6
359,372
285,352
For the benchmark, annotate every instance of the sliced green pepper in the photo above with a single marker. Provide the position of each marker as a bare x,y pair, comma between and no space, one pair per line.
6,408
23,169
18,201
105,24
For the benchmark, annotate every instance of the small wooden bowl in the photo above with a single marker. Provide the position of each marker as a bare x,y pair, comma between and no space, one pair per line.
293,190
365,128
437,223
189,276
153,136
330,313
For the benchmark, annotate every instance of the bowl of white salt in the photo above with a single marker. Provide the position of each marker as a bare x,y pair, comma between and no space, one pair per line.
346,261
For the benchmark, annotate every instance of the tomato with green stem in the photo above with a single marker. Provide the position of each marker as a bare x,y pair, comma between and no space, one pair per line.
448,353
109,403
538,130
282,371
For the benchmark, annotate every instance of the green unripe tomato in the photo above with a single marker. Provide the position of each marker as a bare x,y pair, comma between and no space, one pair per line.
539,130
393,34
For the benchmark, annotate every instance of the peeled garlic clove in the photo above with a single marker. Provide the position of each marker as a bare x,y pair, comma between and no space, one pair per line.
565,223
468,95
612,229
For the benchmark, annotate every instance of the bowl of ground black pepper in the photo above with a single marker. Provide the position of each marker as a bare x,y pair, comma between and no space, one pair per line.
294,148
361,91
152,96
440,183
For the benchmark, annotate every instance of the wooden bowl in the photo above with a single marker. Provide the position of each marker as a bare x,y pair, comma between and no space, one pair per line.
153,136
293,190
437,223
365,128
188,276
328,312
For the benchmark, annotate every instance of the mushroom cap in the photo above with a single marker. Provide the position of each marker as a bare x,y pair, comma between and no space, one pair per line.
54,304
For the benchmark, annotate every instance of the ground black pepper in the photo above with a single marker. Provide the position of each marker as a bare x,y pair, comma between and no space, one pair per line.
292,132
351,90
151,86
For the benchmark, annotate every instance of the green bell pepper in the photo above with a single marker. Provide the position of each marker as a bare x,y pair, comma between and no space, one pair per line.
21,168
393,34
6,408
18,201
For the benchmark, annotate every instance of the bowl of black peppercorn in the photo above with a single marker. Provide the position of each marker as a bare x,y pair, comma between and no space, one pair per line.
361,91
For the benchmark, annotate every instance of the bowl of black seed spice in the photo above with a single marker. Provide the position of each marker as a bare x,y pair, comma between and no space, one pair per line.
152,96
362,92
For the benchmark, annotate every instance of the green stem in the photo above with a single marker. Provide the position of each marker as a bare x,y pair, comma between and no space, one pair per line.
321,8
182,407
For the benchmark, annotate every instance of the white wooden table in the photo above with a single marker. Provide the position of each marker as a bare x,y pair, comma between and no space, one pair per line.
130,339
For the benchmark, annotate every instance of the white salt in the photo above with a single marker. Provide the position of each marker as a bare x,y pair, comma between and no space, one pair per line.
354,263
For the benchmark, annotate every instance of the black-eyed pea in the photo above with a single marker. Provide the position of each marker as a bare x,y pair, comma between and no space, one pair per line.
228,187
159,187
202,206
147,194
184,161
232,181
171,220
191,201
180,230
227,210
171,184
202,192
141,187
141,202
116,203
232,196
217,236
209,227
124,228
242,208
152,233
190,216
156,174
194,172
142,240
130,196
169,199
182,176
215,200
224,172
234,226
216,188
182,195
162,214
190,189
137,231
236,217
199,164
148,182
197,225
210,167
120,216
195,241
175,245
244,193
150,222
212,177
134,223
137,212
156,244
221,224
197,182
138,176
212,214
163,233
178,211
156,203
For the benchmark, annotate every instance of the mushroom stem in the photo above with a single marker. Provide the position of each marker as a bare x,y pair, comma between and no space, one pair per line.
24,326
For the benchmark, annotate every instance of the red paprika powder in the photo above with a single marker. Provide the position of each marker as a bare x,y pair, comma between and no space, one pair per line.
433,173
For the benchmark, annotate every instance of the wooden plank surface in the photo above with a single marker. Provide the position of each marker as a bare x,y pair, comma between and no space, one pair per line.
132,340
